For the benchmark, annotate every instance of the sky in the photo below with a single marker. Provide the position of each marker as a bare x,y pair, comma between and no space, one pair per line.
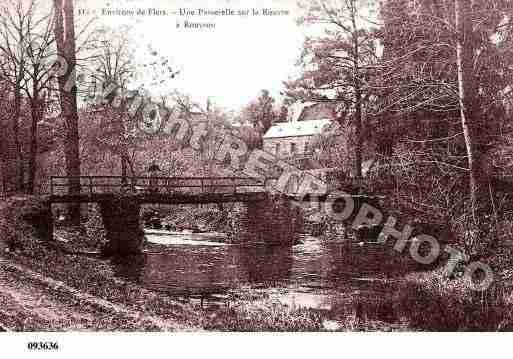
230,63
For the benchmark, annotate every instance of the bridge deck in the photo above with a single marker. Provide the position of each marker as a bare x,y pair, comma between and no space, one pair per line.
165,190
171,190
161,198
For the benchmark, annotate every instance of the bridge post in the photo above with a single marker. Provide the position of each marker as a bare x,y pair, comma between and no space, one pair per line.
273,221
122,226
31,212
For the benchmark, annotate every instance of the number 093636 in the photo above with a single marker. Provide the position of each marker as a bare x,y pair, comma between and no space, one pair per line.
42,346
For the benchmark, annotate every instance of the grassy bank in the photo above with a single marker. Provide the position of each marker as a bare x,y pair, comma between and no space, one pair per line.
422,301
243,311
428,300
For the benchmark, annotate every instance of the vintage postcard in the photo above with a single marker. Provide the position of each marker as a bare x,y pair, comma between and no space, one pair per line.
254,166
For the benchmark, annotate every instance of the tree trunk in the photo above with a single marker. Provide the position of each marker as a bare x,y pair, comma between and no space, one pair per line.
480,202
35,118
11,154
358,97
358,133
18,157
123,152
124,169
65,39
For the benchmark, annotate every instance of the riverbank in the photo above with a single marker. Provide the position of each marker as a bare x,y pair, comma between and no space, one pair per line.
47,290
77,292
75,282
66,282
31,301
47,287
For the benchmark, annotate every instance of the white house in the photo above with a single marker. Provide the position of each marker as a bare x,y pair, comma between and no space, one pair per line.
290,139
294,138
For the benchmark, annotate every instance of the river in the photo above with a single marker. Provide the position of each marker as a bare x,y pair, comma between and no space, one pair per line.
315,273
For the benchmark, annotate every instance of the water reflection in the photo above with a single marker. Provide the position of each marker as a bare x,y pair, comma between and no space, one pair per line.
313,270
265,266
207,269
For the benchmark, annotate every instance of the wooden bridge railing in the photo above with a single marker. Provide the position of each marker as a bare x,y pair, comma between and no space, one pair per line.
59,185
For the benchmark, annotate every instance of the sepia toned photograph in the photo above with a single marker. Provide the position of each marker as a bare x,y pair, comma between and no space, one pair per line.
255,166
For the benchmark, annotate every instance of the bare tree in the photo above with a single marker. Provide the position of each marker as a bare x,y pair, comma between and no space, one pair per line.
115,68
14,26
467,88
448,60
39,48
115,75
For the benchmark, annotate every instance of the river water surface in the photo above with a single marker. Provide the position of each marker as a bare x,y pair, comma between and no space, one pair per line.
315,273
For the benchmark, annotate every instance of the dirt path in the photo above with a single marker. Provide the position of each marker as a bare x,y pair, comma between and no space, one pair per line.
27,307
32,302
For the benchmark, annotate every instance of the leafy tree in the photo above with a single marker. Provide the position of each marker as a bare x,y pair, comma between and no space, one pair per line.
338,64
284,114
261,112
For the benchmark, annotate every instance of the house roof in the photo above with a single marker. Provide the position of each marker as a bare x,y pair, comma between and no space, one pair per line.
304,111
296,129
316,111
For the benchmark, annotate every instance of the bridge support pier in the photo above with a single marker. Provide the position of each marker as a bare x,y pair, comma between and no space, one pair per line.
122,226
25,212
274,221
39,216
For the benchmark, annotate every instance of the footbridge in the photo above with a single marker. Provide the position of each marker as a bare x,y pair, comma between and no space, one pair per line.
157,190
269,218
